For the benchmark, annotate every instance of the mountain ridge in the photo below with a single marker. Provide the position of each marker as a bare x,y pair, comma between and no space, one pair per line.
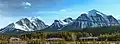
94,18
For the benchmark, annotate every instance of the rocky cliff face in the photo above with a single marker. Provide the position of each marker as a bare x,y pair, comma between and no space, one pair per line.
99,19
83,21
94,18
112,21
57,25
68,20
10,29
25,24
38,24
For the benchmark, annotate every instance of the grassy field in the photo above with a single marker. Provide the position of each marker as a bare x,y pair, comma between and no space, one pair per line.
61,42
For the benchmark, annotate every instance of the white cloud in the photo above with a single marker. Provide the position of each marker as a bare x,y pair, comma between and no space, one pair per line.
26,4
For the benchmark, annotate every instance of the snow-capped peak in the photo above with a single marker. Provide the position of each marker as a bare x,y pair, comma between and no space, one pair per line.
38,23
95,12
33,19
24,24
82,17
68,20
28,25
92,12
57,24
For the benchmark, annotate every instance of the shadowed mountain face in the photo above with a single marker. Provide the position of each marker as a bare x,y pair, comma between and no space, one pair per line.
97,18
56,26
25,24
68,20
94,18
112,20
9,29
83,21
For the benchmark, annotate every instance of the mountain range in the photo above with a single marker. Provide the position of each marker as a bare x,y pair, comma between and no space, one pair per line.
91,19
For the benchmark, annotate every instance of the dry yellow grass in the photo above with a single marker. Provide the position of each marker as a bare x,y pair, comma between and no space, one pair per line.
61,42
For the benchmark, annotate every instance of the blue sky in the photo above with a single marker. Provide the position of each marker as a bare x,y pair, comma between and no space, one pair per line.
49,10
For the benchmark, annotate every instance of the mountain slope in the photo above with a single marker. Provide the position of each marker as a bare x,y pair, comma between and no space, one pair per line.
23,25
100,30
55,27
93,19
9,29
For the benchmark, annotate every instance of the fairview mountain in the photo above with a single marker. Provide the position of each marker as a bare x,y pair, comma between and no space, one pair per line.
94,18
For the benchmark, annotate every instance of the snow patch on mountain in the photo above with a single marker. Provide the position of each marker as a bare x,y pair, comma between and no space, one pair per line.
17,26
25,24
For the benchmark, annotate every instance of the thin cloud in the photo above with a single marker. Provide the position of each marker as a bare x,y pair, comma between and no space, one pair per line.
65,10
59,11
62,11
39,12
